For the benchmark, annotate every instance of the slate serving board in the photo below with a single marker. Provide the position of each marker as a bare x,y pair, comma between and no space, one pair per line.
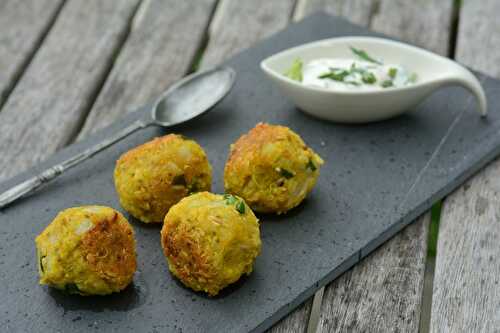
377,179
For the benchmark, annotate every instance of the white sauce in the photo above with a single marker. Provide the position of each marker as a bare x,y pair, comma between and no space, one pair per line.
312,71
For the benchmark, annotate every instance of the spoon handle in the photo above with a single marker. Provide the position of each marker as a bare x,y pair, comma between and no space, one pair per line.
33,183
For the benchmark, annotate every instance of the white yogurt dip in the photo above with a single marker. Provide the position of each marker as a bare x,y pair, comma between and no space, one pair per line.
346,74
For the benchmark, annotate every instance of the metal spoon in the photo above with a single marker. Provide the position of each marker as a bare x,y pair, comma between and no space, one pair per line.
183,101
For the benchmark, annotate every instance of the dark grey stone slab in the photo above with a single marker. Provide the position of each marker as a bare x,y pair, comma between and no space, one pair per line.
376,180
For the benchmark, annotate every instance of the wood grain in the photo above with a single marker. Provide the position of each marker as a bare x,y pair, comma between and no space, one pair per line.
163,41
239,24
23,24
384,292
424,23
399,18
48,103
356,11
478,40
296,321
467,277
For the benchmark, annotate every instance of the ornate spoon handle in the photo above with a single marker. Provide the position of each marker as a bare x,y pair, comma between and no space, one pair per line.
33,183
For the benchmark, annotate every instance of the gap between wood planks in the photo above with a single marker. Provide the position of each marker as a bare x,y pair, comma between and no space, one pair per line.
425,313
205,39
31,54
134,20
454,28
102,80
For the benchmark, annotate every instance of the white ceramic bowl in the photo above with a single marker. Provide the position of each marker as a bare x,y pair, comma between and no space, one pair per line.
353,106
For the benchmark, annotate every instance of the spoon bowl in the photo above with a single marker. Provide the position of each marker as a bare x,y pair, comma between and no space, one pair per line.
361,106
192,96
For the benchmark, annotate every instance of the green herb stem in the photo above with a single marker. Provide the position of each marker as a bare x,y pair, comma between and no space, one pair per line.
335,74
364,56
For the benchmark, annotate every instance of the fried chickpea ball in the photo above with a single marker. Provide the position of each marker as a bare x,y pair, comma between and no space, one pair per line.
87,250
154,176
271,168
210,241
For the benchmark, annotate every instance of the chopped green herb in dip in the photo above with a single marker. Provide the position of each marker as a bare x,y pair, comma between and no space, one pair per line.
295,72
364,56
393,72
387,83
363,71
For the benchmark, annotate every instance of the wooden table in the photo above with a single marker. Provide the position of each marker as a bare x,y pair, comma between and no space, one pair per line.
68,68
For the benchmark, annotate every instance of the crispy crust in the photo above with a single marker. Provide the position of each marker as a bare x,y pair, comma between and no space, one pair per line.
109,249
149,146
176,243
208,243
253,141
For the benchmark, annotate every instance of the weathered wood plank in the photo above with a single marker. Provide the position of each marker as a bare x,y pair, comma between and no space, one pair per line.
23,24
383,293
478,40
467,276
48,103
423,23
239,24
356,11
163,41
466,289
404,21
296,321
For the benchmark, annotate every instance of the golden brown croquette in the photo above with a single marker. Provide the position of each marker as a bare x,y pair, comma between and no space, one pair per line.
271,168
210,240
154,176
87,250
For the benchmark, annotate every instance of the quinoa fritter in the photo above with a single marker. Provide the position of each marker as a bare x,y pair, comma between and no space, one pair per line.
271,168
154,176
87,250
210,240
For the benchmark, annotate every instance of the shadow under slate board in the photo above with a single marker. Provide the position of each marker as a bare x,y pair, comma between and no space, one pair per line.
377,179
